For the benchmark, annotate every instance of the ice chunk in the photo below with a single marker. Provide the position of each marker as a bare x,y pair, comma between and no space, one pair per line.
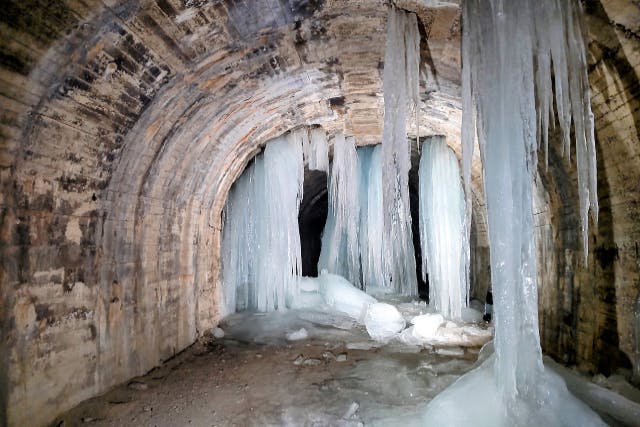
217,333
470,315
342,296
442,216
300,334
351,411
426,325
383,321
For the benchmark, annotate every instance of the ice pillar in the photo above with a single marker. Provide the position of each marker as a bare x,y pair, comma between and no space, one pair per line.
442,217
400,88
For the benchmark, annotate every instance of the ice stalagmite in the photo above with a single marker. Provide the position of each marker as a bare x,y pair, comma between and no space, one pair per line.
507,101
340,252
400,88
442,216
260,238
371,218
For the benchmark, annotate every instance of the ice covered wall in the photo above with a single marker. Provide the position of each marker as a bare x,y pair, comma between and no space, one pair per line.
340,253
260,239
507,94
442,216
400,88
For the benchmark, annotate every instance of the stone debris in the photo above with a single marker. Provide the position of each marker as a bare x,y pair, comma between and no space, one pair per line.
342,357
351,411
298,335
217,333
299,360
138,385
328,355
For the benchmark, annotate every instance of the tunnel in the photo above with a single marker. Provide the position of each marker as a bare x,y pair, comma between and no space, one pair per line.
125,124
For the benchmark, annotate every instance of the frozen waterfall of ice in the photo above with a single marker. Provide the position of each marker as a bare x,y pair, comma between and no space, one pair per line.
508,49
442,216
261,256
340,251
400,87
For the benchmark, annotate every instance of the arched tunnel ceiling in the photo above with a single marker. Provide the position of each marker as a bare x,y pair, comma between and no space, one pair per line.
182,91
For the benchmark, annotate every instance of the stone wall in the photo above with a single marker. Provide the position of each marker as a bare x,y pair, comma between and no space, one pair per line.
587,308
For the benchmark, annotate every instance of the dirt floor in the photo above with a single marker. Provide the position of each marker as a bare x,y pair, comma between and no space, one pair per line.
227,382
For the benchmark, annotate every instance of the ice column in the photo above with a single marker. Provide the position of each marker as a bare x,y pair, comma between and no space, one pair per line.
260,240
508,47
340,252
371,217
442,216
400,88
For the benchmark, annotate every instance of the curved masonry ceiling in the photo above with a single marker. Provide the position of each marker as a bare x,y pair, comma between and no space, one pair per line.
124,124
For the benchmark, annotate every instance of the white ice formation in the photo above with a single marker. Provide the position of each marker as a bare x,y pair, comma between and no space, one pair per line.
371,218
356,181
442,216
260,256
400,87
383,321
508,49
340,252
317,155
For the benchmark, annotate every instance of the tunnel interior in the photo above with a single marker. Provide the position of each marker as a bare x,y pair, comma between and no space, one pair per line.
124,124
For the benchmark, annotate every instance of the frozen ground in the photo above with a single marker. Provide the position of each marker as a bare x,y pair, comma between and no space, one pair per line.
256,376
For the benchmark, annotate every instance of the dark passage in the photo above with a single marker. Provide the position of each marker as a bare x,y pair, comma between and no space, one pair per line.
311,219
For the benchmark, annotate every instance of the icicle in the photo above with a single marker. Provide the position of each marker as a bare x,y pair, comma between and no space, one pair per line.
260,241
507,90
371,217
340,252
318,157
400,77
442,217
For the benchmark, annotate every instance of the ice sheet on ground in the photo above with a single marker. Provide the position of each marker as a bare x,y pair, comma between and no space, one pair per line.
612,406
559,408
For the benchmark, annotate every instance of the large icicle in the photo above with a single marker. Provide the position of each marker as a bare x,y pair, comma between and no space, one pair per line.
400,84
442,216
507,92
318,155
340,252
260,239
371,218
